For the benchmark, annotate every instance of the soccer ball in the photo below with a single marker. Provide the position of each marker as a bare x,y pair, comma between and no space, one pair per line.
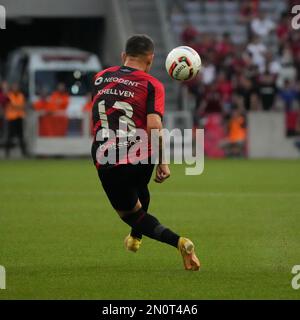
183,63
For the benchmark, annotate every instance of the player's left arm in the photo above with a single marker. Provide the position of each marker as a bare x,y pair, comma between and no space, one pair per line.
155,111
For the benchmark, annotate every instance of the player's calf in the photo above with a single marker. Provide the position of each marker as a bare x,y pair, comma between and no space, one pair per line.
148,225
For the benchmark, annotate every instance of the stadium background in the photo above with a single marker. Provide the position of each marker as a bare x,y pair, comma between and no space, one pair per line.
243,213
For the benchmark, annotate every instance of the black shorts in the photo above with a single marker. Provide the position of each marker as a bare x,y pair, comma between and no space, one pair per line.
125,184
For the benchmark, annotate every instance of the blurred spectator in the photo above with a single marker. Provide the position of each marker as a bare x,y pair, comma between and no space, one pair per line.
205,46
3,102
293,123
208,72
211,102
59,99
257,51
248,10
288,70
295,43
43,104
273,65
14,115
240,60
52,123
224,47
262,25
189,35
266,89
255,102
234,144
283,27
252,73
289,95
297,127
245,89
225,89
195,89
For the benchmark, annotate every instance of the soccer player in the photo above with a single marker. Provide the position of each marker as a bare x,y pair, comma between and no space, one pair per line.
129,94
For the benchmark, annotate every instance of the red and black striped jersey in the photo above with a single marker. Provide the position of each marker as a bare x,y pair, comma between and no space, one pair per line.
124,95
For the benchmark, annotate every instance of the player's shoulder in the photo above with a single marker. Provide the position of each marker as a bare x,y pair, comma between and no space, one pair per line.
102,72
154,81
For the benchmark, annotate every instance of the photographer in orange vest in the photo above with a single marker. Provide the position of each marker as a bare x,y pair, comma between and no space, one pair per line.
14,115
59,99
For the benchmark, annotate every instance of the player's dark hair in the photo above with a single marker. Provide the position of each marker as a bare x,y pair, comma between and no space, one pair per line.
138,45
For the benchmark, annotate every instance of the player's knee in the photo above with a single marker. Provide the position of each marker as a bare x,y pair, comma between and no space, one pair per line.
124,213
145,203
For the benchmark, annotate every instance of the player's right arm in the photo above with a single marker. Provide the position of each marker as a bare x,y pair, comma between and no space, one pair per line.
155,111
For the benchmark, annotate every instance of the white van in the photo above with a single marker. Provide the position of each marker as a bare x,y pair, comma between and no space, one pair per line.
41,68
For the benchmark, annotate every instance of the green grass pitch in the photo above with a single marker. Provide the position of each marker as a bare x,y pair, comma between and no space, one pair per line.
60,239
